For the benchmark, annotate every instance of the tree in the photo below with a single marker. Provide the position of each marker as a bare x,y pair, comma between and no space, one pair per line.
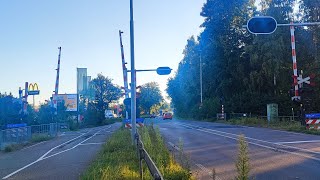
104,92
9,109
150,96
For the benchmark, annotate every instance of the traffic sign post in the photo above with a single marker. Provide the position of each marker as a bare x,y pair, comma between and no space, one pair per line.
262,25
163,70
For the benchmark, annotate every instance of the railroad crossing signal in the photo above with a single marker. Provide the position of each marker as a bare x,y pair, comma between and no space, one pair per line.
262,25
303,80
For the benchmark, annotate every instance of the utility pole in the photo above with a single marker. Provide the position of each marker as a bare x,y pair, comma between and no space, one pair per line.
133,76
201,99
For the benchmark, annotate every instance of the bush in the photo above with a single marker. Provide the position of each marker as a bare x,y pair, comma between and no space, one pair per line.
13,147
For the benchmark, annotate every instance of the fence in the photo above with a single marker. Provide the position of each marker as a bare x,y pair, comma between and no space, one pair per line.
143,155
24,134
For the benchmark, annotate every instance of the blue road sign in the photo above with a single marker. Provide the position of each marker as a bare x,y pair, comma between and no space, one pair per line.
16,125
313,115
35,92
138,120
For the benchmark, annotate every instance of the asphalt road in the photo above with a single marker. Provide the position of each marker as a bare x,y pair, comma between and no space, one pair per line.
65,157
273,154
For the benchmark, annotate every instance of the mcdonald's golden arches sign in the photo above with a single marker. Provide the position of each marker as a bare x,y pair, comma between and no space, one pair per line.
33,89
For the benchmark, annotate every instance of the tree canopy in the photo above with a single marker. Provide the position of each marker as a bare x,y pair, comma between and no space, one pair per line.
150,96
245,72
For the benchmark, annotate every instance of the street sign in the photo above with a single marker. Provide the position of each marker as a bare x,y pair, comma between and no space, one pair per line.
313,115
127,101
303,80
16,125
262,25
163,70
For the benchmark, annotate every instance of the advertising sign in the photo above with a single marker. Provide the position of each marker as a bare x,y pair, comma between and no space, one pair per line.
33,89
70,101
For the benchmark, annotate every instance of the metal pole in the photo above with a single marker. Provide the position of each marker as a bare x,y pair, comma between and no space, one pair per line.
133,76
201,79
292,114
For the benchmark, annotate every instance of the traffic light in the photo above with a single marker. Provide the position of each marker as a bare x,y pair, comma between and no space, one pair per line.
163,70
262,25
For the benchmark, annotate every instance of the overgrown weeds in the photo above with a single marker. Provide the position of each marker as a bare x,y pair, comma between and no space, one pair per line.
119,159
242,164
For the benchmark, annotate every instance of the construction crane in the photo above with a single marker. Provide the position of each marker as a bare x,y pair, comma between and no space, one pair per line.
124,68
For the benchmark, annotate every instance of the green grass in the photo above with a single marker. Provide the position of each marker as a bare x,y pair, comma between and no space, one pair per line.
155,146
39,138
36,138
293,126
118,159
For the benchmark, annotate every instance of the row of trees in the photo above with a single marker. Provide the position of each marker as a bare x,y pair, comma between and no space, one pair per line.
244,71
101,95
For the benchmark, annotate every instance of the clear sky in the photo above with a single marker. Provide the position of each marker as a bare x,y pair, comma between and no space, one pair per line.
87,30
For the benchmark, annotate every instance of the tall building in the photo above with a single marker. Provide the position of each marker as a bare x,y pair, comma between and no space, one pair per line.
82,80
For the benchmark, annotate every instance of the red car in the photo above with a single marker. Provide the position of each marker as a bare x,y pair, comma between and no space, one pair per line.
167,116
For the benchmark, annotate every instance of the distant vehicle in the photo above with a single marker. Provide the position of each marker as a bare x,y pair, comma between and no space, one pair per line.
108,114
167,115
152,115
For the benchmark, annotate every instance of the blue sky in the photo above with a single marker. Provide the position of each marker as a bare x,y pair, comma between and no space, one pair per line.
87,30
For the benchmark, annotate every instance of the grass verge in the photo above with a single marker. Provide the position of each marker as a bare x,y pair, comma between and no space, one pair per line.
293,126
118,159
36,138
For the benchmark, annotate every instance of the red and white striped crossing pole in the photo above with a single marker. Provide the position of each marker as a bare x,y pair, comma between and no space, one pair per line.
294,61
124,68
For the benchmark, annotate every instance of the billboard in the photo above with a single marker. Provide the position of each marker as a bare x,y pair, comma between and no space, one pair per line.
70,101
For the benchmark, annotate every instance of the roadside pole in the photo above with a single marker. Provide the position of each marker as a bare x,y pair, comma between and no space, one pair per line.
133,76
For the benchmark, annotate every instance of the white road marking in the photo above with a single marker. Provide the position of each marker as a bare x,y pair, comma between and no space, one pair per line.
43,156
260,145
297,148
92,144
298,142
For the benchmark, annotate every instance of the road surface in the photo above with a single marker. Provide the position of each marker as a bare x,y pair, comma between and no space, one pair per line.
273,154
65,157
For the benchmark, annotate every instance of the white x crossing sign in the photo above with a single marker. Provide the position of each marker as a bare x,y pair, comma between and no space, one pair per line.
303,80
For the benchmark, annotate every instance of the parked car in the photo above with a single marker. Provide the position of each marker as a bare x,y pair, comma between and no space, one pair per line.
167,115
108,114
